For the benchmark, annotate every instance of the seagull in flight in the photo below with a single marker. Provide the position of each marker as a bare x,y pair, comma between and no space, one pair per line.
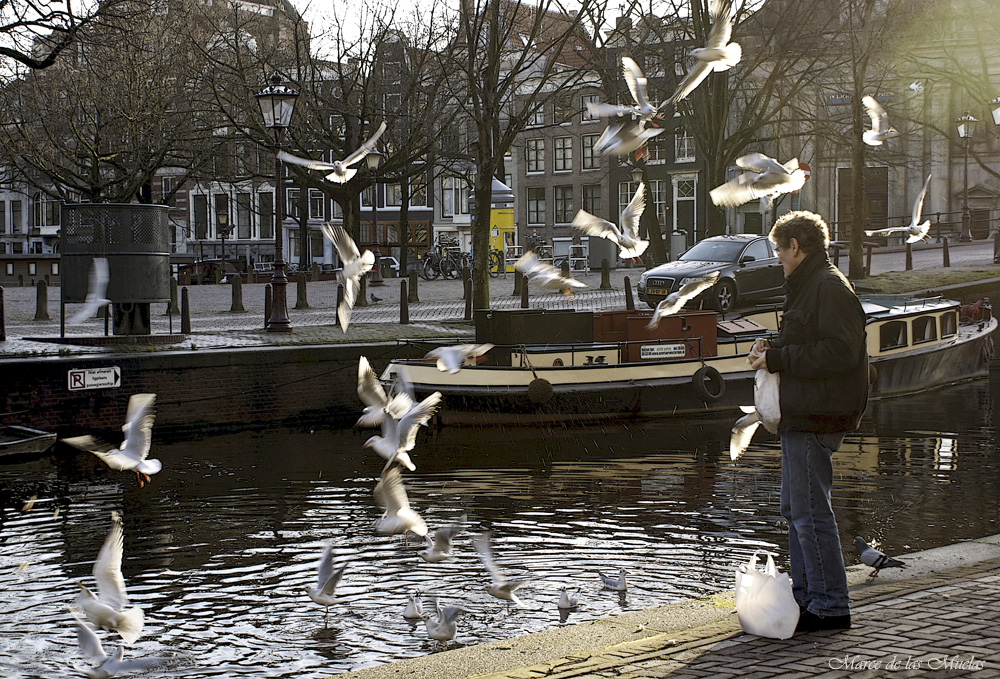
327,580
439,549
379,405
881,130
105,609
109,665
675,301
398,517
718,54
500,586
637,84
766,179
450,359
743,431
915,230
874,558
545,276
341,171
627,236
97,292
617,584
399,430
623,138
354,264
132,454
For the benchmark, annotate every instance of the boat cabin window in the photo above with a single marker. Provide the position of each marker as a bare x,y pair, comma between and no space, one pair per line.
924,329
949,323
892,335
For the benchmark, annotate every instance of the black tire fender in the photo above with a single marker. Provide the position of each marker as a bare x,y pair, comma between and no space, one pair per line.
540,390
708,384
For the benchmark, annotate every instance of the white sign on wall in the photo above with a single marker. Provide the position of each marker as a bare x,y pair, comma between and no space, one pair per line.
661,351
95,378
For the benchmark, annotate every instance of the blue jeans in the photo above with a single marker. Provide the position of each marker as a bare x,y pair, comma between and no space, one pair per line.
819,581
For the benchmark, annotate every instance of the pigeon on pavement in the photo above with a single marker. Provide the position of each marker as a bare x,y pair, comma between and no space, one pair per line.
874,558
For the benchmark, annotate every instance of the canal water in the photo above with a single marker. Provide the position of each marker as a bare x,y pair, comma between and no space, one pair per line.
219,547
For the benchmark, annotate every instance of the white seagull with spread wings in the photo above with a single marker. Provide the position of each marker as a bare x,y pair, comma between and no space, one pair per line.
673,302
545,276
500,586
132,454
916,230
341,171
391,496
627,236
327,580
97,291
354,264
881,130
637,83
718,54
767,179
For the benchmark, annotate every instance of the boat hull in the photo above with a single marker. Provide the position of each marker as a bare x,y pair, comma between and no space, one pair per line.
15,440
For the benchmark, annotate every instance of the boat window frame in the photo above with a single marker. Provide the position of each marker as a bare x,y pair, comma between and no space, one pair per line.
889,336
928,322
947,329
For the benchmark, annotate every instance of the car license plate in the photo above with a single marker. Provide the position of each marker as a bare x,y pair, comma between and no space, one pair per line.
657,291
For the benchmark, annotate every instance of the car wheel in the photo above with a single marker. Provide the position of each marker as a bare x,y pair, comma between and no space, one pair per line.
725,296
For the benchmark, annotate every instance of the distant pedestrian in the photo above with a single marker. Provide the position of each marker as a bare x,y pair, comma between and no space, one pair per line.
821,356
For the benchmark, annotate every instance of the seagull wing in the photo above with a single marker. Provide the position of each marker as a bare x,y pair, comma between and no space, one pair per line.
97,291
329,585
365,147
347,249
733,193
918,204
698,72
305,162
758,162
138,426
742,432
419,414
721,13
108,566
636,82
602,110
891,229
482,544
593,225
370,391
89,644
875,112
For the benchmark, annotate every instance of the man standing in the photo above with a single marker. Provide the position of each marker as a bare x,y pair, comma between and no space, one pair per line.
821,356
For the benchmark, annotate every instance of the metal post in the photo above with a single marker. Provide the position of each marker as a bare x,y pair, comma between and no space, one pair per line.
185,312
468,299
377,272
518,277
3,322
966,236
404,304
41,301
267,303
605,274
868,259
524,293
278,321
629,302
340,300
945,258
909,257
413,295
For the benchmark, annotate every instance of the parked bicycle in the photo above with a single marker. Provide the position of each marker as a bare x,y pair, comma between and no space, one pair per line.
496,263
439,260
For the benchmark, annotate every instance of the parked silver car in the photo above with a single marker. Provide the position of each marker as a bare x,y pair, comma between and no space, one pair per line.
748,269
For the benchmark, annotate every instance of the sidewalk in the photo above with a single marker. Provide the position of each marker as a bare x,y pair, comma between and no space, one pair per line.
938,617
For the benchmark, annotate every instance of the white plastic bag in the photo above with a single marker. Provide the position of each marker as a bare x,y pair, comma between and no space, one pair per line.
765,604
766,399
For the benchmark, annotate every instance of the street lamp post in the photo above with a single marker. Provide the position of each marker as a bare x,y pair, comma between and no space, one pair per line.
221,219
373,158
966,126
276,105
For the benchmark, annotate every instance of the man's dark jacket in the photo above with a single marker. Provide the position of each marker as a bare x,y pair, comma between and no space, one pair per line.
820,352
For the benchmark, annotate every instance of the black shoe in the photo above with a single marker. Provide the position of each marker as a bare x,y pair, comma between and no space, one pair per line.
810,622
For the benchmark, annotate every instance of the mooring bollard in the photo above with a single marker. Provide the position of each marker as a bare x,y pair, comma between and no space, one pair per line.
340,301
605,275
629,302
524,294
362,299
300,291
314,274
468,299
185,312
517,283
41,301
564,268
404,304
945,258
268,300
3,322
412,294
237,295
909,257
172,304
868,259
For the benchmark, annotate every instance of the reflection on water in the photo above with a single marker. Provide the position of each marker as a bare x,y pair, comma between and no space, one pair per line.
219,548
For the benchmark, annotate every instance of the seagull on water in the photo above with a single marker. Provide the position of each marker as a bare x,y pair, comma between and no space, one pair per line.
450,359
327,580
568,599
398,517
874,558
675,301
97,291
132,454
544,275
881,130
109,665
500,586
413,607
439,549
766,179
443,625
627,236
915,230
354,264
718,54
617,584
106,608
341,170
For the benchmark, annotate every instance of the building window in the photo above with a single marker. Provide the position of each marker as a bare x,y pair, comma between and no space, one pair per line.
535,155
31,269
168,191
587,99
418,191
684,151
625,192
591,158
316,200
200,207
656,195
393,194
563,152
537,117
16,217
562,111
55,268
456,197
563,199
292,203
536,205
265,204
592,198
657,149
243,216
222,205
685,207
10,268
46,212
